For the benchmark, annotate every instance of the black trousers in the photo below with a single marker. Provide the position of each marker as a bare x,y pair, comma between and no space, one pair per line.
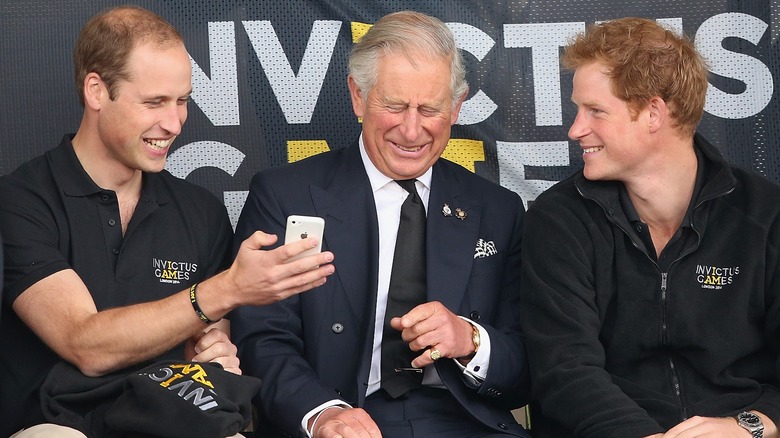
423,413
428,413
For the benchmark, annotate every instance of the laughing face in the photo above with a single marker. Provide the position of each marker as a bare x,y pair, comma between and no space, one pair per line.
139,126
407,115
614,144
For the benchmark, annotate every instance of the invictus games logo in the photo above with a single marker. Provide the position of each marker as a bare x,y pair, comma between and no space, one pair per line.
188,381
715,277
169,271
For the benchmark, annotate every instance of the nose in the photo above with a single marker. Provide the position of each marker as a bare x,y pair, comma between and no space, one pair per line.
173,118
579,128
410,127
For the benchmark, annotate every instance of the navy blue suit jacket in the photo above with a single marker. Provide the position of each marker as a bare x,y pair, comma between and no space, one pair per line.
316,346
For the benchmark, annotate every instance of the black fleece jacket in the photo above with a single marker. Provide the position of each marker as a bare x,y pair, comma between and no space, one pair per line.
621,348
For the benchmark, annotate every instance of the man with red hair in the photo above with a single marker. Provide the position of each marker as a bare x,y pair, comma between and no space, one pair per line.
651,288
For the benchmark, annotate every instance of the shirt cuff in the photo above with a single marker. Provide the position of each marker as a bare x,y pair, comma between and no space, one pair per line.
477,369
315,411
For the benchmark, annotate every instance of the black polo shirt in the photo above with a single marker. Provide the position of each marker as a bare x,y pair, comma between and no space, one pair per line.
54,217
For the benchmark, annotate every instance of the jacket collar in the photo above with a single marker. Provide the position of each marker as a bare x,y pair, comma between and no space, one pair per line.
718,180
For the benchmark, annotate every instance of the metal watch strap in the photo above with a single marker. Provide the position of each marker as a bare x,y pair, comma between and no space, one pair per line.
744,421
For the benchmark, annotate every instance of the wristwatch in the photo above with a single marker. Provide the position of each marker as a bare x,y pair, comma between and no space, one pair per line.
475,338
752,423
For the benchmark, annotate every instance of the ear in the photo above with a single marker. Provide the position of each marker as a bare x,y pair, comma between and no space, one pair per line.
94,91
358,103
458,105
658,111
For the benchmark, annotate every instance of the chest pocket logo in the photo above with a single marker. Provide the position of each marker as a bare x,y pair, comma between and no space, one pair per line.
715,277
174,272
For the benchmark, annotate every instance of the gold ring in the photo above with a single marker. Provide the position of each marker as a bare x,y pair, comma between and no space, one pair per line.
435,355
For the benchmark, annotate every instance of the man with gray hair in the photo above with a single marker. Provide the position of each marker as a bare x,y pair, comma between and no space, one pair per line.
416,335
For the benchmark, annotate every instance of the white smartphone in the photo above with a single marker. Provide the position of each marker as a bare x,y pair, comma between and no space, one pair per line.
301,227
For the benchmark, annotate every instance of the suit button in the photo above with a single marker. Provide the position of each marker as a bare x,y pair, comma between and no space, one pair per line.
474,316
337,328
502,425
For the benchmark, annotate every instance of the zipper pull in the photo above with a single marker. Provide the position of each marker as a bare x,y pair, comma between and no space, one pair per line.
663,285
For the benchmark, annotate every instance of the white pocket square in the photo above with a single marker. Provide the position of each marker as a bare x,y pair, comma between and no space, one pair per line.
485,249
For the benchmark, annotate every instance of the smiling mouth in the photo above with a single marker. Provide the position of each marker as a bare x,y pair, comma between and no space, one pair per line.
408,148
593,149
159,145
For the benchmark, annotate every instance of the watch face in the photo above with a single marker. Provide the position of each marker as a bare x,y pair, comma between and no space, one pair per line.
750,420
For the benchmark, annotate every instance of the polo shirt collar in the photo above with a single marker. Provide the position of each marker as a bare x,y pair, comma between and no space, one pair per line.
75,181
67,169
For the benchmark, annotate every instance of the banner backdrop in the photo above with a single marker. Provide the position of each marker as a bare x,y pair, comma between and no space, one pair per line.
269,81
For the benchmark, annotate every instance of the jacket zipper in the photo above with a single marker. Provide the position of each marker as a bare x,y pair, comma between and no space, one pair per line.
664,331
664,297
677,391
664,293
664,277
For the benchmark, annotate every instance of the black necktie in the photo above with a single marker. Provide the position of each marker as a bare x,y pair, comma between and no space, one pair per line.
407,290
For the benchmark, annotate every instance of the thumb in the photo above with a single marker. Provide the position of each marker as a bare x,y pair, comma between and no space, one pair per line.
259,239
395,323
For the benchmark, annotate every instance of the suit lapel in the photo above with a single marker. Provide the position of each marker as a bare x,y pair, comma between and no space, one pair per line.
450,241
351,233
347,205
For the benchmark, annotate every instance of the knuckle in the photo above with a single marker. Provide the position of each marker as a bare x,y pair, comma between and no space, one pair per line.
301,281
300,265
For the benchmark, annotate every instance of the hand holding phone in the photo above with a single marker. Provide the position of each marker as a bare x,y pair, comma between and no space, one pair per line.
301,227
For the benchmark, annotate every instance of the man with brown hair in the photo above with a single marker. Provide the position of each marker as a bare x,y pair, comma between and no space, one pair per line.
111,262
650,278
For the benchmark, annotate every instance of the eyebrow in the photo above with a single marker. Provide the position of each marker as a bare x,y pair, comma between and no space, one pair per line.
166,97
436,106
588,103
